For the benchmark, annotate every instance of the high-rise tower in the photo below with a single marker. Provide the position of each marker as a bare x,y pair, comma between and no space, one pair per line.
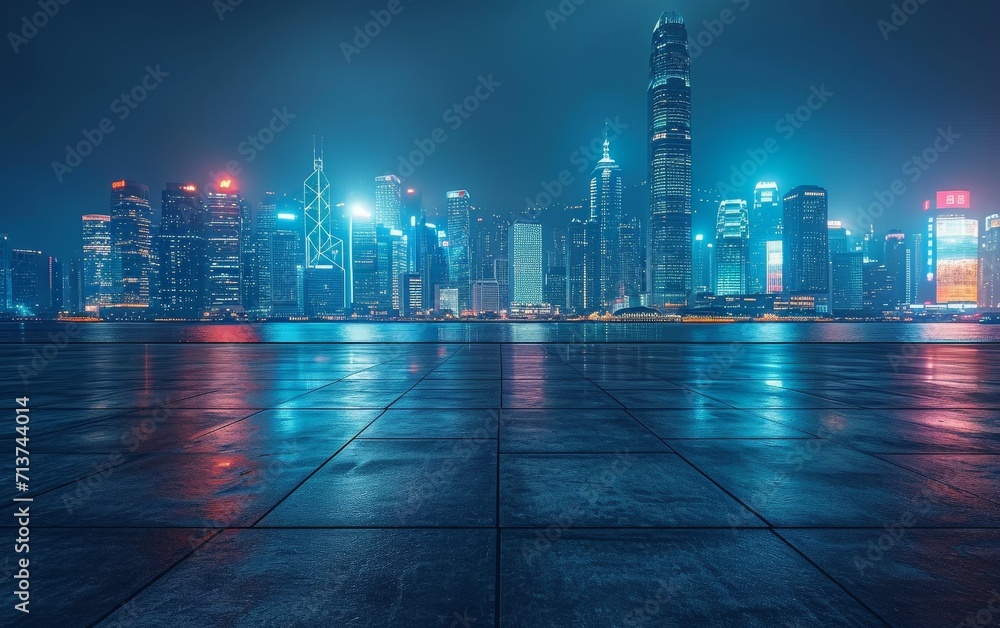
131,243
732,248
459,237
670,163
388,201
606,188
326,240
765,233
224,219
806,240
97,281
183,248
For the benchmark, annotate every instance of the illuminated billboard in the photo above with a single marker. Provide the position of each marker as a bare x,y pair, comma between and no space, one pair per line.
955,199
957,260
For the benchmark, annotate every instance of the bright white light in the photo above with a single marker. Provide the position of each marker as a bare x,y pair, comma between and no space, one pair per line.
286,216
360,212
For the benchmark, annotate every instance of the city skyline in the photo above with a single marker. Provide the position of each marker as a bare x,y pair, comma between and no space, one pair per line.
745,119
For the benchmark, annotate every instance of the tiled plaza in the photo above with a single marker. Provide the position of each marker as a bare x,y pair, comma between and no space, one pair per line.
532,485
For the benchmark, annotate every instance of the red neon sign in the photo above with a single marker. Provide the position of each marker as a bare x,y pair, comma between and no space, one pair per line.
956,199
117,185
225,184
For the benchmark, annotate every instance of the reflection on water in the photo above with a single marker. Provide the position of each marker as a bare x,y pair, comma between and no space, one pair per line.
583,332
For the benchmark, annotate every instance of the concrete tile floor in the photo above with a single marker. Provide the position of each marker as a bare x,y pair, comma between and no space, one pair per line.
513,485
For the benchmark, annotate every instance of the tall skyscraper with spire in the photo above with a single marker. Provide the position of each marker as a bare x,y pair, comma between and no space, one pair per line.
670,244
606,188
325,245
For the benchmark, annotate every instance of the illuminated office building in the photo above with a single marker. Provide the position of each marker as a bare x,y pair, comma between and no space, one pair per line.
806,241
388,202
286,273
327,235
182,256
527,274
732,248
459,255
224,237
765,231
990,296
606,188
131,243
97,280
670,219
582,264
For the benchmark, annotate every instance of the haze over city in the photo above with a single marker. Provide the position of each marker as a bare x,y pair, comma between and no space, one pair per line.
561,72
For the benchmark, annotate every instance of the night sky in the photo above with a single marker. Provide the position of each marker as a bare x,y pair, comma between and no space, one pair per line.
557,87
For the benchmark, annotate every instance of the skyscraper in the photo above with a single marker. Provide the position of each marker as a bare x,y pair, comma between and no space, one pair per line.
364,272
957,259
698,261
669,98
131,243
806,241
224,237
6,302
388,201
606,188
98,287
991,263
287,259
264,231
582,252
183,248
630,261
896,258
848,282
459,235
326,246
27,271
732,248
765,228
527,275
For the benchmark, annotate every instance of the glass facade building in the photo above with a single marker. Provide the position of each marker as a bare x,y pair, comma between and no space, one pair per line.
670,220
732,248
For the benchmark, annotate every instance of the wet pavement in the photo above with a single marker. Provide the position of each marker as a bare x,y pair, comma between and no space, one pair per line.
512,485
